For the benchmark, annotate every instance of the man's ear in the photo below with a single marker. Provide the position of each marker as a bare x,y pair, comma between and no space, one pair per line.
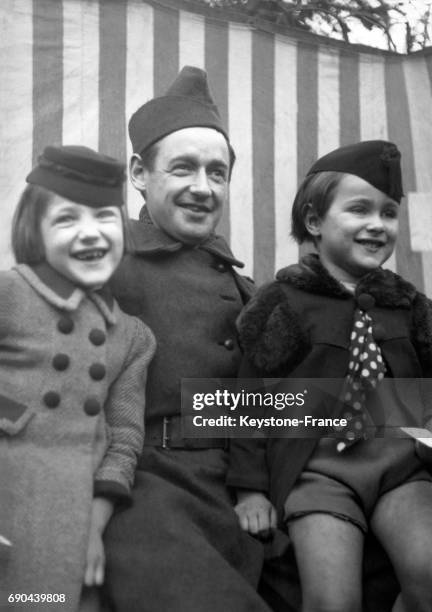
137,172
312,222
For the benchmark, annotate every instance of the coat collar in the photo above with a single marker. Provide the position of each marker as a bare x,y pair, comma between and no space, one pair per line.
62,293
385,286
147,239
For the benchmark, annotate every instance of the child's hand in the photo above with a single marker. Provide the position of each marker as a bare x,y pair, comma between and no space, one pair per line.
256,514
95,568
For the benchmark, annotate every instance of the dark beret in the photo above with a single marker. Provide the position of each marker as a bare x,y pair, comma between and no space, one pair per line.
375,161
81,175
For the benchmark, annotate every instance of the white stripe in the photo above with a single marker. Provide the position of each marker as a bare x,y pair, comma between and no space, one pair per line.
328,101
240,130
390,264
16,98
191,40
420,104
81,73
420,218
373,110
285,143
139,75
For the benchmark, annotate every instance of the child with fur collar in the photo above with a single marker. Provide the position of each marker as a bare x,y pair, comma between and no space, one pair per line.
72,379
339,315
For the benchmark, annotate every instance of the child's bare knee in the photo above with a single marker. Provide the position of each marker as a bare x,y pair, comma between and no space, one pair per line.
331,602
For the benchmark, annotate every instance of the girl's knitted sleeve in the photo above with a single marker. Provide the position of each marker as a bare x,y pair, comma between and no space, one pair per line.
124,411
6,302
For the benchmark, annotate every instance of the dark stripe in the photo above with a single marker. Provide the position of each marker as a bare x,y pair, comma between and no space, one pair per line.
409,264
349,104
47,75
216,64
112,77
166,48
263,155
307,104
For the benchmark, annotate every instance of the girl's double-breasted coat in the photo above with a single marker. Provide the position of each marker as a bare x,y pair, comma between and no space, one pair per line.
72,382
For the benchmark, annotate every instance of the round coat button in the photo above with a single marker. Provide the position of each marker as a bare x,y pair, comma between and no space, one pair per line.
229,344
97,337
51,399
221,267
366,301
60,362
378,332
92,406
97,371
65,325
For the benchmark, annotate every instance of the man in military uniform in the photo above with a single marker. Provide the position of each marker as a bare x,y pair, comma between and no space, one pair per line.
179,548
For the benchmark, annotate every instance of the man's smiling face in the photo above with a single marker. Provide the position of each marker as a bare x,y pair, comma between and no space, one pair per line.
187,185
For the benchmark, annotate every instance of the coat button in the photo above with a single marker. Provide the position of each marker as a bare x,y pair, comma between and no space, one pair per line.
60,362
97,371
378,332
97,337
221,267
92,406
229,344
65,325
365,301
51,399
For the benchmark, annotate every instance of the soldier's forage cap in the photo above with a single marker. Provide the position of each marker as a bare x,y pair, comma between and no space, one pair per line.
187,103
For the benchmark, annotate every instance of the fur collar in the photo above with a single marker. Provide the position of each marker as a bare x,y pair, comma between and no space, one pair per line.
385,286
271,332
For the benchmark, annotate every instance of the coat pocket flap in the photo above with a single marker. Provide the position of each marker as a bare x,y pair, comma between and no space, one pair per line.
14,416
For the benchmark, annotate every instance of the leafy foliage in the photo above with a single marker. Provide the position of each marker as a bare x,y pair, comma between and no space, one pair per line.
338,18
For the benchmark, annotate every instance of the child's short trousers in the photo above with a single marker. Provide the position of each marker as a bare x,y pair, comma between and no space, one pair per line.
348,485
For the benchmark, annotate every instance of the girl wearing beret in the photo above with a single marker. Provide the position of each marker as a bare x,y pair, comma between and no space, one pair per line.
339,315
72,381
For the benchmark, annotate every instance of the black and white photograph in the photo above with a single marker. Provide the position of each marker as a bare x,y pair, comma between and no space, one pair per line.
216,306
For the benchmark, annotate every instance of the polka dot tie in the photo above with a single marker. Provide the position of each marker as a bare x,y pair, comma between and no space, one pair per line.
365,370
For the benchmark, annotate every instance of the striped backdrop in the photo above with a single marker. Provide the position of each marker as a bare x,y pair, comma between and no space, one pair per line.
73,71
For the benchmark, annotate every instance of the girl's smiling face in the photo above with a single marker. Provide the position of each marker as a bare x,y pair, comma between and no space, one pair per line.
83,243
359,230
